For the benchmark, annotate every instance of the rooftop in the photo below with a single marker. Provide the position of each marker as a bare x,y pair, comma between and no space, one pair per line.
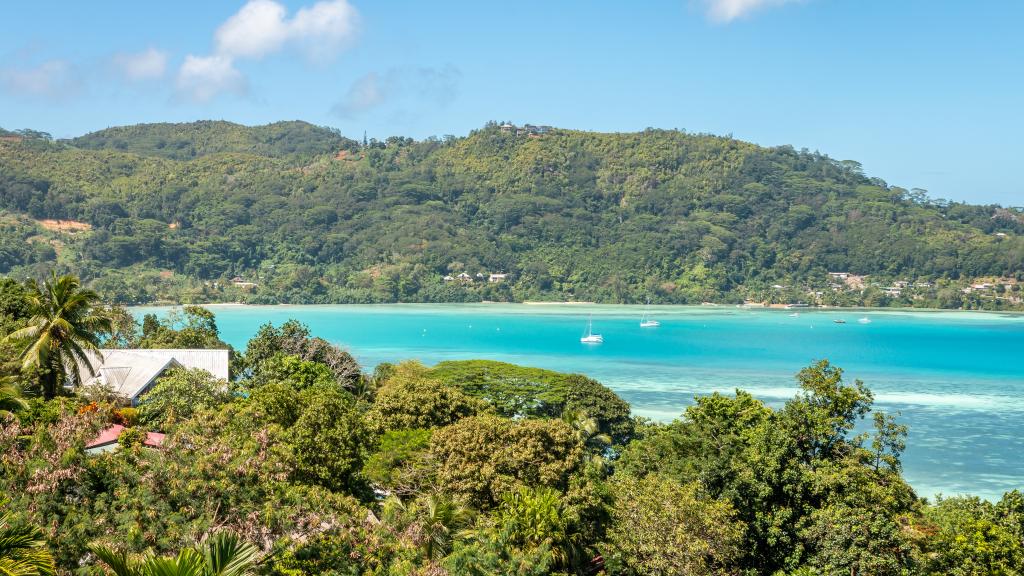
130,372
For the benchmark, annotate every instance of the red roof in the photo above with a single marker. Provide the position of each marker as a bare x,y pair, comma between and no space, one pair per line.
111,434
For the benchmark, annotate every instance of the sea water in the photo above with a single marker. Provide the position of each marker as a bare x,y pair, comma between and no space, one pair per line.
955,378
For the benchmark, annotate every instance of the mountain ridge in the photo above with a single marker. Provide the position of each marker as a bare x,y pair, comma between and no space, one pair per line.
614,217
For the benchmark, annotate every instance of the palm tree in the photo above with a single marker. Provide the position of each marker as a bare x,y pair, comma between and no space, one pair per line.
440,518
64,326
23,550
588,431
10,398
223,554
437,517
536,517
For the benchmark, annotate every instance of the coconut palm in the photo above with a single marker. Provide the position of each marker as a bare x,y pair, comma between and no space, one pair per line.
436,517
588,431
23,550
65,324
223,554
11,400
440,518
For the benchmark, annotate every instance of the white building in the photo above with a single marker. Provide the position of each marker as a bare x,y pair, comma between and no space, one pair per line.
130,373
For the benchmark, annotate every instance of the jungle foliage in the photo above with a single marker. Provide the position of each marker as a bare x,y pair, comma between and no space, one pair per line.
304,464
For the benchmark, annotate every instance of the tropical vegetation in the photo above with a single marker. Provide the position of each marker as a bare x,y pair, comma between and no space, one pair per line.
304,463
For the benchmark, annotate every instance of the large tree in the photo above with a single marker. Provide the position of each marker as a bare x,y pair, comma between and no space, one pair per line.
66,324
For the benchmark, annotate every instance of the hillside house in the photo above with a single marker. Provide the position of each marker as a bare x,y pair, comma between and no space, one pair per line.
492,278
130,373
240,282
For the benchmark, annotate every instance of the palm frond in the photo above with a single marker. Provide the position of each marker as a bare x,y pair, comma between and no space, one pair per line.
23,551
10,398
227,555
187,563
118,562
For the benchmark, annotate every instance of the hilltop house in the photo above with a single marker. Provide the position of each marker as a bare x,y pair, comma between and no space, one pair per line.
526,129
130,373
497,278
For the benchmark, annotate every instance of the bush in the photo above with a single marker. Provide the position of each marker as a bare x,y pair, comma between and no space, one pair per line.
131,437
126,416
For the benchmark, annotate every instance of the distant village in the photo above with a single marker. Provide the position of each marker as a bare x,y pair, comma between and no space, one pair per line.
525,130
1001,289
490,277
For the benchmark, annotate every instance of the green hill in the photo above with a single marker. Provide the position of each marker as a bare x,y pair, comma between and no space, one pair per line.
187,141
309,216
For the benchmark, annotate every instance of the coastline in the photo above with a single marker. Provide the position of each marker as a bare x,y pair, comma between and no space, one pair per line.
599,308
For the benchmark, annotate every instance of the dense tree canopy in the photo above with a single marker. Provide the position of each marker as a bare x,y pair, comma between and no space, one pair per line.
474,468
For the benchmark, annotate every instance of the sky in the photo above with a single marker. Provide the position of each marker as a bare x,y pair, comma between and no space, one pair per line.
923,93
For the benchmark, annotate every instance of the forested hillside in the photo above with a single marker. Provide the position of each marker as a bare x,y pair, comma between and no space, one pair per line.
297,213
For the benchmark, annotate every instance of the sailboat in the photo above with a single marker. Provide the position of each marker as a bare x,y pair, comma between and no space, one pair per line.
646,322
591,338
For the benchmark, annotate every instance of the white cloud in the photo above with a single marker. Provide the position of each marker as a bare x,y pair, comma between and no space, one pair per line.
55,79
408,88
147,65
729,10
256,30
260,28
365,93
325,28
201,78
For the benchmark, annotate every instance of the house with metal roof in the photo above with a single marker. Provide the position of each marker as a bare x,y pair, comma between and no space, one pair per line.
129,373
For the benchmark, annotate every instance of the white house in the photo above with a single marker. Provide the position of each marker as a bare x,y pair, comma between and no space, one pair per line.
497,278
131,372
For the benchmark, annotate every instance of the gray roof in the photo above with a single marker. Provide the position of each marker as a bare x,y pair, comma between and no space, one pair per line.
130,372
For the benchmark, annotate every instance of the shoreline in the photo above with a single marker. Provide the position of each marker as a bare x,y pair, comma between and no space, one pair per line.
541,305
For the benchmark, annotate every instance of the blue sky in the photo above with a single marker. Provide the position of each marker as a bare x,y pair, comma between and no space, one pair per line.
925,94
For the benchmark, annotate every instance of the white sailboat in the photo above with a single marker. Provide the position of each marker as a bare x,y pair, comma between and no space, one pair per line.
646,322
591,338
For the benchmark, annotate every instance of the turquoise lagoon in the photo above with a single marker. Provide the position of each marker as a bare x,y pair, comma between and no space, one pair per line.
957,378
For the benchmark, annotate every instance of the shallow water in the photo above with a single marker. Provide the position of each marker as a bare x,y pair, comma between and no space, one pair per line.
957,378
